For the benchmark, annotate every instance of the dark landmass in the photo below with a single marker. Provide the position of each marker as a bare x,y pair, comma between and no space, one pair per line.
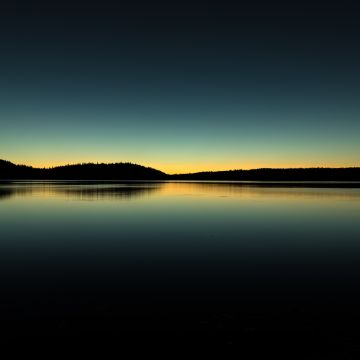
129,171
268,174
118,171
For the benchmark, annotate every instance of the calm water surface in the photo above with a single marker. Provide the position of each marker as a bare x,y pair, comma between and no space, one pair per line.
231,260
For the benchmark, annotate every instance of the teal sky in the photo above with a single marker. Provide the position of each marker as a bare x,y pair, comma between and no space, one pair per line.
180,93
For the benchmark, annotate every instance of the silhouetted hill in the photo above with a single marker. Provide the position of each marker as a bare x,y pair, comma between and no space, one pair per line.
117,171
129,171
9,170
123,171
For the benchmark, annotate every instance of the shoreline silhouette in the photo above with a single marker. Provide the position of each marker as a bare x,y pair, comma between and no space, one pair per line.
130,171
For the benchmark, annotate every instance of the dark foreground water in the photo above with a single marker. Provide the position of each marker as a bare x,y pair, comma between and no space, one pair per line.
249,263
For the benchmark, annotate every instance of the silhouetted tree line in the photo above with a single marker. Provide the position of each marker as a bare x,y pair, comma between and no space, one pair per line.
117,171
268,174
129,171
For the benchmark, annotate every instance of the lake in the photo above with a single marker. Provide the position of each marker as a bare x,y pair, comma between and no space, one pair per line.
231,262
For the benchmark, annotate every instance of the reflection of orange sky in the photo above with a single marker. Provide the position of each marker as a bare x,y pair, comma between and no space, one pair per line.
180,191
235,191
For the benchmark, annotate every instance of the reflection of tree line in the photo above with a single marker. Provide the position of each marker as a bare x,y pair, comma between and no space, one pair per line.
130,190
5,193
96,193
9,191
84,192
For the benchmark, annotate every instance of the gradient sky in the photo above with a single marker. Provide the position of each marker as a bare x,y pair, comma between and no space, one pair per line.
181,85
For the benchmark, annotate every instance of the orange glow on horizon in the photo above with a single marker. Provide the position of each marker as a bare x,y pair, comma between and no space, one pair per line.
183,168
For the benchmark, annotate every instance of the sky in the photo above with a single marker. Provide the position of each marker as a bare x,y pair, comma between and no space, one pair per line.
181,86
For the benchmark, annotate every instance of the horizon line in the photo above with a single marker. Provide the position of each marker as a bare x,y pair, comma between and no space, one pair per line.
183,173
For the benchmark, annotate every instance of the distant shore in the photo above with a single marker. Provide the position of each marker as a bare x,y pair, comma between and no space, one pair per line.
129,171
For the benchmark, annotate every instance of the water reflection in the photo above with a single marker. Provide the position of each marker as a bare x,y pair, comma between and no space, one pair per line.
102,192
79,190
93,190
266,190
178,256
5,193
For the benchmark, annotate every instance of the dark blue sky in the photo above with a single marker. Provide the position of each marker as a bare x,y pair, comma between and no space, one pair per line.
181,85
